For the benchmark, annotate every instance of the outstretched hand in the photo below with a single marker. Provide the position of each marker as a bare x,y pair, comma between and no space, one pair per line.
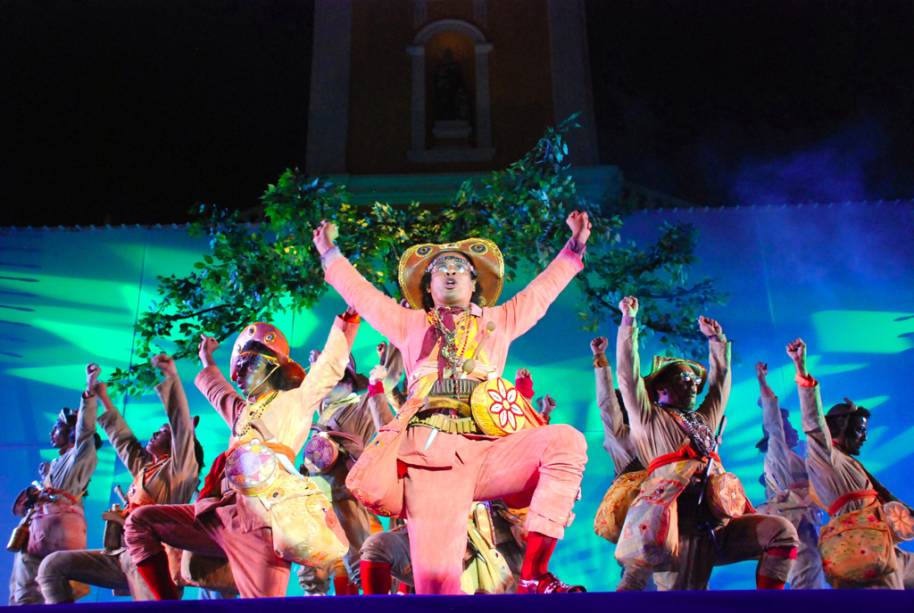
710,327
93,370
324,236
580,225
761,371
208,345
629,306
165,364
796,350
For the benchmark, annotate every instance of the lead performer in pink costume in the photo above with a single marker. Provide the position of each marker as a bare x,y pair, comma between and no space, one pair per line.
273,420
451,340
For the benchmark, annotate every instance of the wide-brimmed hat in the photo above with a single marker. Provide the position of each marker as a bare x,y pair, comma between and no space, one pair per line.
270,337
485,256
662,362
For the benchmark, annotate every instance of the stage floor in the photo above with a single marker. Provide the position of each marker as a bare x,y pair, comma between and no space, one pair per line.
812,601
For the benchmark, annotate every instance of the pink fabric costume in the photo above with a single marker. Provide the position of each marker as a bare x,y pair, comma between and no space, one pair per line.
540,468
232,525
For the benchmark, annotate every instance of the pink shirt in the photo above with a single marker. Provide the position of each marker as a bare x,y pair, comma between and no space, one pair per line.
406,328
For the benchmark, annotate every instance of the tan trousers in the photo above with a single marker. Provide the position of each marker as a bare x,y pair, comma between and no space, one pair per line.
95,567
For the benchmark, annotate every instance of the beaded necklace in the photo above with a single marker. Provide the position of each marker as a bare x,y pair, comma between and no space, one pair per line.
448,345
252,413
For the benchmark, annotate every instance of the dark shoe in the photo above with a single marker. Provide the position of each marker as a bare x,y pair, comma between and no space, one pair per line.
547,584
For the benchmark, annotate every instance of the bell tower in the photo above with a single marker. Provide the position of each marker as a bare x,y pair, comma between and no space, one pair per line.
414,88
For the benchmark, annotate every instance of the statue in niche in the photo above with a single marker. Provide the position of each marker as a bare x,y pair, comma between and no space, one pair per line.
451,97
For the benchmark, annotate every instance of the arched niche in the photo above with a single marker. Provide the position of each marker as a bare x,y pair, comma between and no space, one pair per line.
450,109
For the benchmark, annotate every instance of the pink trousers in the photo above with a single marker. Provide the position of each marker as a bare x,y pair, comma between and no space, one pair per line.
540,468
258,572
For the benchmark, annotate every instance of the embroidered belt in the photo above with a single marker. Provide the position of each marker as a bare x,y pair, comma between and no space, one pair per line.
454,388
445,422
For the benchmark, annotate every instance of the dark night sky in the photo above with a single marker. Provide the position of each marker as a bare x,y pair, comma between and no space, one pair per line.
130,111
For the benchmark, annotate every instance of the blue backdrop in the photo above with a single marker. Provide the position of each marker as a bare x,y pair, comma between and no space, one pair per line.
840,276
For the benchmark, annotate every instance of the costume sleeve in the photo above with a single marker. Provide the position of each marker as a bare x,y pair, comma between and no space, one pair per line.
819,448
610,411
615,431
82,459
628,373
183,459
220,394
777,459
530,304
381,412
327,370
128,448
381,311
719,381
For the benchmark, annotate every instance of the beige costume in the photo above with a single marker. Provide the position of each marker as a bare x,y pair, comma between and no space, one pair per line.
171,480
787,489
58,525
667,504
834,474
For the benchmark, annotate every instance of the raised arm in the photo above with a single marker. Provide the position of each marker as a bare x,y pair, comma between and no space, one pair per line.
614,426
719,375
214,386
86,419
381,311
628,364
171,393
125,443
819,448
616,433
530,304
330,366
777,467
378,405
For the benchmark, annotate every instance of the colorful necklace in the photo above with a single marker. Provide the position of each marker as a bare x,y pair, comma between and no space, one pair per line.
448,338
253,412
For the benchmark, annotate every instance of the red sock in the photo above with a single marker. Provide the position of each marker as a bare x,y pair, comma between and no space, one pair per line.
767,583
404,588
536,560
341,584
375,577
353,589
157,576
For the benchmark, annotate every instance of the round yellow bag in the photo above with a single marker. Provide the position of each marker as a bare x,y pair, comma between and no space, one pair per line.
499,409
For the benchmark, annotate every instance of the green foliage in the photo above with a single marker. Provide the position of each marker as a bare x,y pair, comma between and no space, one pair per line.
254,270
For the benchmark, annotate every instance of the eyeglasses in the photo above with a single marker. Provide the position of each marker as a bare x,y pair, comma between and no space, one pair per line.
688,377
454,265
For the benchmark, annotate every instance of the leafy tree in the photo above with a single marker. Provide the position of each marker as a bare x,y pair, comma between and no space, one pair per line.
256,269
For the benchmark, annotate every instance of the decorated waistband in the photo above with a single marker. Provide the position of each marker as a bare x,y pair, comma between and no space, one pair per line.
686,452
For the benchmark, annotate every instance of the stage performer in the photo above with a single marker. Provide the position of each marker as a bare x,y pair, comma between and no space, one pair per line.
349,417
453,340
165,471
858,544
787,487
57,520
254,505
687,519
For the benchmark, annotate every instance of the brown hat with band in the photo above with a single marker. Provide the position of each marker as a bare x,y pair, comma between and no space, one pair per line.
485,256
662,362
